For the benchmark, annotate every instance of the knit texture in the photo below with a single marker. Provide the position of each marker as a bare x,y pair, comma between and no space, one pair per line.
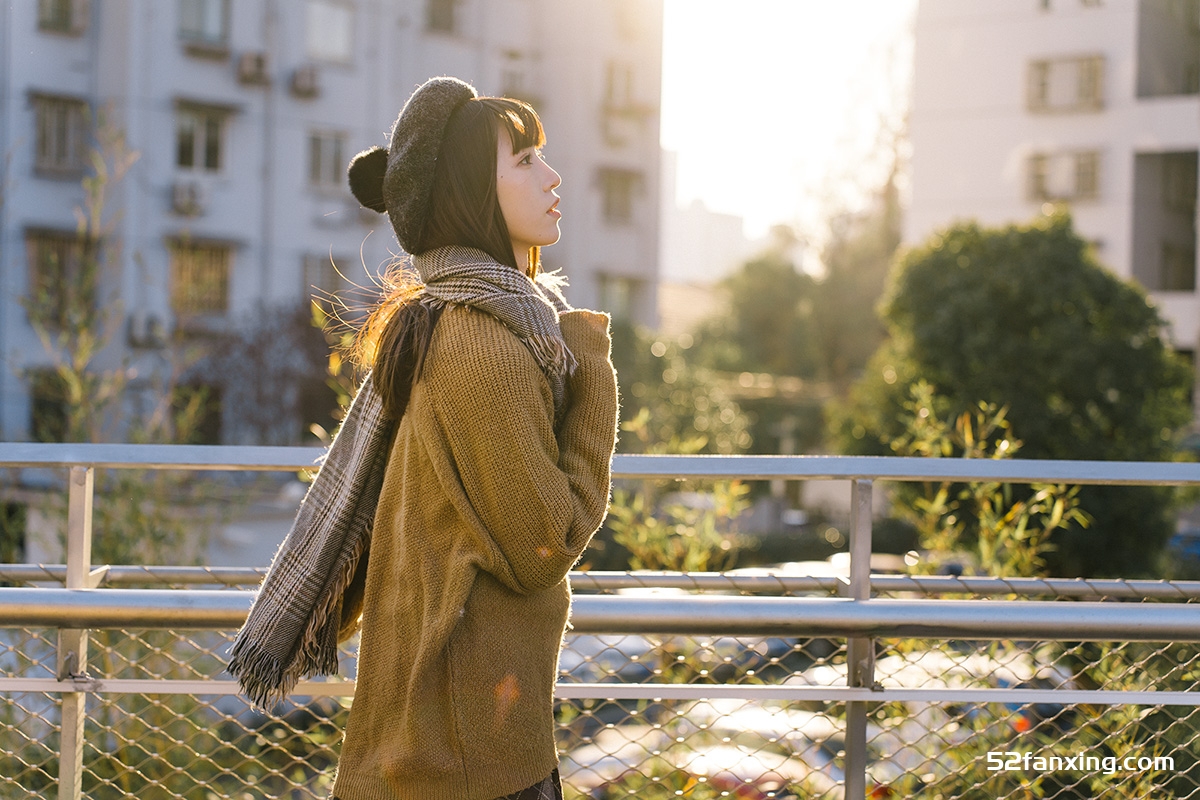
484,509
468,276
416,142
313,590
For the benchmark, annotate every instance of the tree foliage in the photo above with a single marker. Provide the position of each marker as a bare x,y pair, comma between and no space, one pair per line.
1024,317
1004,533
669,404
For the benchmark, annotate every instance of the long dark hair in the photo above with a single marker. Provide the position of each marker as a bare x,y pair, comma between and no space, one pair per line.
465,211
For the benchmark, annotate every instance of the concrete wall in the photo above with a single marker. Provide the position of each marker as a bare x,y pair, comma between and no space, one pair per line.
129,58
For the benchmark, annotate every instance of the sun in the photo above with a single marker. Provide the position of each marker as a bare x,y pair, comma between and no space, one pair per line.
773,108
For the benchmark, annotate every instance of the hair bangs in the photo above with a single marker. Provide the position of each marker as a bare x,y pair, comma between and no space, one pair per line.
521,121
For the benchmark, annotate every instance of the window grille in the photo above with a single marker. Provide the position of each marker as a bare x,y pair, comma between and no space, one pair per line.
60,135
1063,176
1066,84
619,187
327,159
200,279
330,30
62,16
198,138
441,16
62,279
204,22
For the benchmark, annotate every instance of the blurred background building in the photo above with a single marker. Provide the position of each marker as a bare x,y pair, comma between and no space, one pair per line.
244,116
1091,103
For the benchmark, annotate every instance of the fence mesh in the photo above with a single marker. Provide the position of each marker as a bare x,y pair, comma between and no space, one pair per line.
215,747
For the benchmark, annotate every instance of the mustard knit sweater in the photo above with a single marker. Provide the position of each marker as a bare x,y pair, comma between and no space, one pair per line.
483,511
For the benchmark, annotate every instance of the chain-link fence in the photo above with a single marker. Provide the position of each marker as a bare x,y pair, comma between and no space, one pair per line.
735,716
760,685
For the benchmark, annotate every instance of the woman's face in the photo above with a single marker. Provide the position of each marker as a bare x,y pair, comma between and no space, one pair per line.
525,186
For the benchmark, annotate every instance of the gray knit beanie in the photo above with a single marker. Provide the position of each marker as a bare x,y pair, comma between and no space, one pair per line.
399,180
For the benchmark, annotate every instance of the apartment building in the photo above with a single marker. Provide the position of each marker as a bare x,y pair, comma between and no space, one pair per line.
243,117
1092,103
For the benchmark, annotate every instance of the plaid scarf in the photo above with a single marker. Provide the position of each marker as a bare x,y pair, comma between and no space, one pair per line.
529,308
293,627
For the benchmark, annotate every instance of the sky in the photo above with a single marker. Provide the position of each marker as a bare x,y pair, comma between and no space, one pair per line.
774,110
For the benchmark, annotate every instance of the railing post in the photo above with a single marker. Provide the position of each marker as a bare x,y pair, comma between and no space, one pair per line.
72,644
860,653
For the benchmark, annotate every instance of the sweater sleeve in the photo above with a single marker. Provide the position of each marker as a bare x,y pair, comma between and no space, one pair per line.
538,496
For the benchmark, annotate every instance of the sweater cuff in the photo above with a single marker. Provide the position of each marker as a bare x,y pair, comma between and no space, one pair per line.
585,330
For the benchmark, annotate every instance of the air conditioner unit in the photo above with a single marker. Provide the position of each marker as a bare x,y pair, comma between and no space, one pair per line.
304,81
252,69
187,198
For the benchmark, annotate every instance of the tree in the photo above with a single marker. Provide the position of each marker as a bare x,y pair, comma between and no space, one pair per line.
845,328
669,404
1024,317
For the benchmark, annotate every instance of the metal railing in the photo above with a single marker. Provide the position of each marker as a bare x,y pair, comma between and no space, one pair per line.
672,654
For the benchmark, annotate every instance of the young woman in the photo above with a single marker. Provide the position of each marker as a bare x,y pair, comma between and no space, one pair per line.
495,431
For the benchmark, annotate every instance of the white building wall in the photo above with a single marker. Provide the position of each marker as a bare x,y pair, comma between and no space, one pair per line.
129,57
973,131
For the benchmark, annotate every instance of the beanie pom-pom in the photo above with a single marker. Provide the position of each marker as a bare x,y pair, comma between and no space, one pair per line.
366,177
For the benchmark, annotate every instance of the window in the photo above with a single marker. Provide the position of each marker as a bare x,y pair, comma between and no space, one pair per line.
200,280
1164,220
441,16
60,135
1177,268
204,23
49,417
1064,176
62,279
330,30
326,159
619,187
1179,182
618,295
198,134
618,85
1087,175
1067,84
62,16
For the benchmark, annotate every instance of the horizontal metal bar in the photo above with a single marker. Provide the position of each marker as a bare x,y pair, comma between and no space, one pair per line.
124,608
766,583
650,691
126,574
886,618
160,456
893,468
838,694
164,686
669,615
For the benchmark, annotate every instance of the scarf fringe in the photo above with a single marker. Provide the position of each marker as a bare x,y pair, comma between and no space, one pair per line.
264,678
552,353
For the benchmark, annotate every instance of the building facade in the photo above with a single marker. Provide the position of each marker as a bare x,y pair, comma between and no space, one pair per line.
1092,103
243,117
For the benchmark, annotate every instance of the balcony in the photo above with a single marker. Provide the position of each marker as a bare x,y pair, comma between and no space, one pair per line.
747,684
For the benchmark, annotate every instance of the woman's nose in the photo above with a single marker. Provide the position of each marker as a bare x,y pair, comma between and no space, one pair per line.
554,180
